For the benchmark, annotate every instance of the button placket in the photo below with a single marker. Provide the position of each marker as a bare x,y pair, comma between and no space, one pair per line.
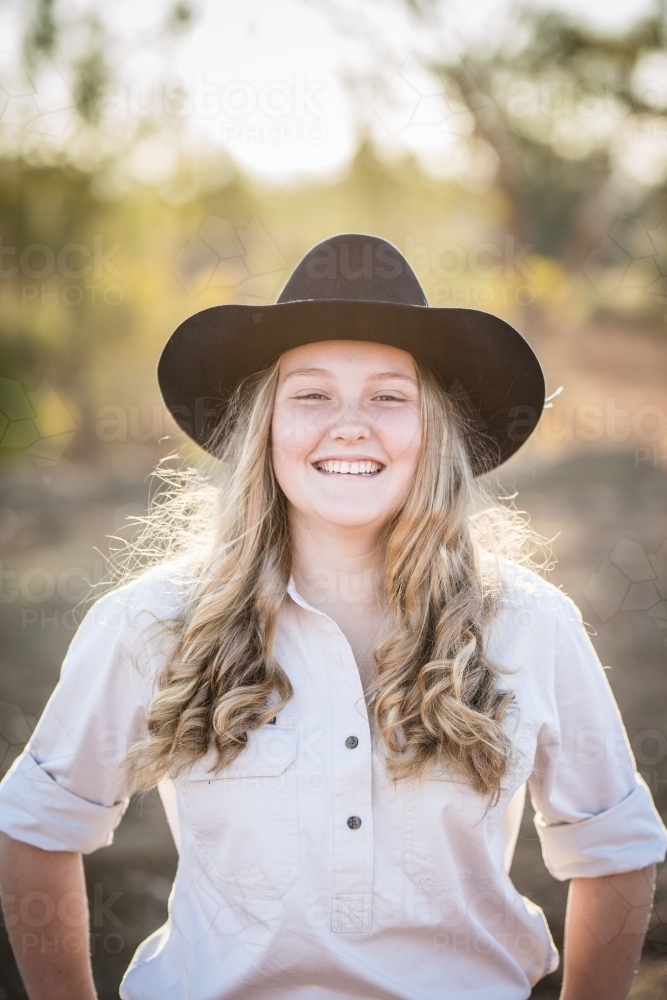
352,800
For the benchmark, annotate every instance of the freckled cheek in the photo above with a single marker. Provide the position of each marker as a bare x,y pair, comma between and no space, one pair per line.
294,436
402,441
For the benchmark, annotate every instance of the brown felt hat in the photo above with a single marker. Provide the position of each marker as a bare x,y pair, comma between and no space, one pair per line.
359,287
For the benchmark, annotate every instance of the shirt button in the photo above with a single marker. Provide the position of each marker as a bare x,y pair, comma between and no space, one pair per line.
351,742
353,822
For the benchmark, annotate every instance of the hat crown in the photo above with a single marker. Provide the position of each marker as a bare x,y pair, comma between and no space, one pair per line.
354,267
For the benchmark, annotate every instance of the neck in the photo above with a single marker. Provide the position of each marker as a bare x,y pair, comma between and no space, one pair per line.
334,565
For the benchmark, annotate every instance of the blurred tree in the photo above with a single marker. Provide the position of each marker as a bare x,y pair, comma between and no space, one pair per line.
560,106
558,103
47,317
84,47
41,32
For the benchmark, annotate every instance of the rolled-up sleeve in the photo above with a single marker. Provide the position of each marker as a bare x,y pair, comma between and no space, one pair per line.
66,792
36,808
594,813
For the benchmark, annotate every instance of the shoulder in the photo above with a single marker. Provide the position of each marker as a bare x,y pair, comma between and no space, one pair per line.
147,605
524,594
162,591
129,631
533,624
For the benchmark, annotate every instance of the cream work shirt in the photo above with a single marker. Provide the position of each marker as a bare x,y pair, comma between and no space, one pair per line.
304,873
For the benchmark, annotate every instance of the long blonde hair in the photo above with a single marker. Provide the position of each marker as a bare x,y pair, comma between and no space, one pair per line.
436,698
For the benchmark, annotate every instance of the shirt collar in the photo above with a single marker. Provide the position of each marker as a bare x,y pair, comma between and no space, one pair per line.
301,601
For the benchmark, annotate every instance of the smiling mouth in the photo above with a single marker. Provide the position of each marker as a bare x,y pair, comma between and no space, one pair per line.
349,468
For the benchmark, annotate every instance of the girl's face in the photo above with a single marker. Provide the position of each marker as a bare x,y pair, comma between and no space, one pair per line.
346,431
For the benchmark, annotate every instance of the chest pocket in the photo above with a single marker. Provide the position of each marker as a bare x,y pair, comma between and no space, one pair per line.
447,831
244,820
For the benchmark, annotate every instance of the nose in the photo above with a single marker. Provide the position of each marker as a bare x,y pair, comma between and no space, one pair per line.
350,427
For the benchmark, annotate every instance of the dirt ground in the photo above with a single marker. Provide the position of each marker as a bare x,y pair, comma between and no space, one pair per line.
610,511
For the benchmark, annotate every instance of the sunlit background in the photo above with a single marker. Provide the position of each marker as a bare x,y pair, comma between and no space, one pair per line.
157,158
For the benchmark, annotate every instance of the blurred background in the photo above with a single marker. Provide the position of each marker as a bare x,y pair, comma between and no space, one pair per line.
158,158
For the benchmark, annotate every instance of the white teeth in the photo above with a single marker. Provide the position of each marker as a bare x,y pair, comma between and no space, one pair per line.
350,468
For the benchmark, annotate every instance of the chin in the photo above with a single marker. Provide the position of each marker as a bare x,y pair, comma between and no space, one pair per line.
352,518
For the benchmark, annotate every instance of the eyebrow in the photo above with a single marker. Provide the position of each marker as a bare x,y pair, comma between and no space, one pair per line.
308,371
378,375
325,373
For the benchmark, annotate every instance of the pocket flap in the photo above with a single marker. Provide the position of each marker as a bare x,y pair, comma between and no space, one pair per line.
270,749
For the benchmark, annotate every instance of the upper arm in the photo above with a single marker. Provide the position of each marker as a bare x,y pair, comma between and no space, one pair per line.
594,813
67,791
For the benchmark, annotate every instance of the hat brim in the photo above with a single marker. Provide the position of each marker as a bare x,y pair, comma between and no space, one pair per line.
479,357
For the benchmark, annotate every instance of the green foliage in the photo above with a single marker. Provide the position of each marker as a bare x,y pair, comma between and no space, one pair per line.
41,32
180,17
549,96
